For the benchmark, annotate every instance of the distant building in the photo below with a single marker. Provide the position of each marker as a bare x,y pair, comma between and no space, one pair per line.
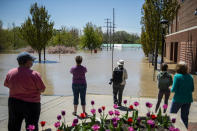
181,42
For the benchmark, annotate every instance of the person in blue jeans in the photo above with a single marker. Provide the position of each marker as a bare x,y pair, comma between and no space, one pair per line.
79,84
183,86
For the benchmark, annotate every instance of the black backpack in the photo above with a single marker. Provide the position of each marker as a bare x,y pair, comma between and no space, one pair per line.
117,75
164,81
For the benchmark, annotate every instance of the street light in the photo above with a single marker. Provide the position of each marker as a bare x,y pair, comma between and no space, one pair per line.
164,24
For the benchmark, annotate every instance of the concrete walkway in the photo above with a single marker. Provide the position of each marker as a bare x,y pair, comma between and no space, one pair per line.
53,105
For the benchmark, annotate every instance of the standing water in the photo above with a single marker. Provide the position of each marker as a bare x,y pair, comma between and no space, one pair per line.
58,79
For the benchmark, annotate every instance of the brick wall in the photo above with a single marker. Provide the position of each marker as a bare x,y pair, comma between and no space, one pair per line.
187,48
185,16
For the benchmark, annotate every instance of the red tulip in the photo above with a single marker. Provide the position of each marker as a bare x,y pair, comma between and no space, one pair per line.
42,123
83,115
153,117
131,107
103,108
130,120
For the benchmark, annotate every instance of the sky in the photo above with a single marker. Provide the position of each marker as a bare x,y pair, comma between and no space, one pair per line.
76,13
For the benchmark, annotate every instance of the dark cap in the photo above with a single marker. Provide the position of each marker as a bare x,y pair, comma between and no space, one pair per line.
24,57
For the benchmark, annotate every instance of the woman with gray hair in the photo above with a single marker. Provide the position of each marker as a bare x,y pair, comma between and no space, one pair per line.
183,86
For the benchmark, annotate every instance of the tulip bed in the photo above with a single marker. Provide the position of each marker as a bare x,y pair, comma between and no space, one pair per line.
113,121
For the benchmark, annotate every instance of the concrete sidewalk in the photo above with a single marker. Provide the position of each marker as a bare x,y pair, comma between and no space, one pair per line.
53,105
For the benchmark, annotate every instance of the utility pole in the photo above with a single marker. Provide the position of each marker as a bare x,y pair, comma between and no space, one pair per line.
110,41
107,31
113,39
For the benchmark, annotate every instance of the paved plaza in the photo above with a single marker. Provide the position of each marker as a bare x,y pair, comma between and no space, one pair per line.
53,105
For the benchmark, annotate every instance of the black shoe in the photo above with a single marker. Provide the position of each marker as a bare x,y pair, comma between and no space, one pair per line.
116,102
49,129
74,113
86,114
119,104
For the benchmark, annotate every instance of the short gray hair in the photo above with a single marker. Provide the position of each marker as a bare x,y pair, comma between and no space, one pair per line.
181,67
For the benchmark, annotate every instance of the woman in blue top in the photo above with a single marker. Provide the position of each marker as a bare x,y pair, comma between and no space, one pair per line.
183,86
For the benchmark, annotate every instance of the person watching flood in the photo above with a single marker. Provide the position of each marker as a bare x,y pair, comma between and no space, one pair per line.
119,81
79,84
25,86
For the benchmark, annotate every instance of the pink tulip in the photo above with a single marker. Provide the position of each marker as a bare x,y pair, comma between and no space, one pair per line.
111,113
130,129
149,105
136,103
165,106
95,127
31,127
117,113
93,111
115,106
57,124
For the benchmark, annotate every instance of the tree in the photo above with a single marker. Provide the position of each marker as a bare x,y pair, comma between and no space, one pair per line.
152,13
98,37
74,37
66,37
37,30
145,45
92,37
1,34
5,38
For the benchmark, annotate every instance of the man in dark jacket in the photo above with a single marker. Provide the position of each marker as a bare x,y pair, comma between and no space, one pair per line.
119,80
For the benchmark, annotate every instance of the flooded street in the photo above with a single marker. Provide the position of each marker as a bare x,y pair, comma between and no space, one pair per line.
58,79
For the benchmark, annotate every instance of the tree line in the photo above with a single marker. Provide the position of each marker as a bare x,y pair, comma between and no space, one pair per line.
122,37
38,32
11,38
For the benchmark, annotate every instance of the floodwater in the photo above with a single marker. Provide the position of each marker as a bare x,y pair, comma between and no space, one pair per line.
58,80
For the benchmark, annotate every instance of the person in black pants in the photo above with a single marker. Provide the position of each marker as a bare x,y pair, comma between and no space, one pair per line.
164,82
19,110
25,86
119,80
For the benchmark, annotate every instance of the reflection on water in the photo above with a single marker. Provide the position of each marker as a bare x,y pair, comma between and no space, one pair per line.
58,80
46,78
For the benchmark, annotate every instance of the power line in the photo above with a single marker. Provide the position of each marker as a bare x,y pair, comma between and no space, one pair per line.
129,26
107,31
110,27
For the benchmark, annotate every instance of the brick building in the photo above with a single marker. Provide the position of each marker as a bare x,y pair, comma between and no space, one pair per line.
181,42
